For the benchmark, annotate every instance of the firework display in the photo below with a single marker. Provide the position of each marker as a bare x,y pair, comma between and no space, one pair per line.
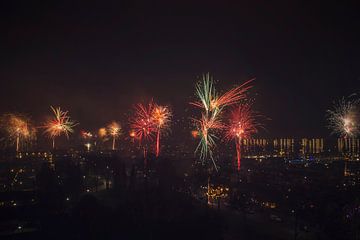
211,101
161,116
180,120
242,125
18,130
151,121
344,118
212,105
87,137
207,129
59,124
143,125
114,131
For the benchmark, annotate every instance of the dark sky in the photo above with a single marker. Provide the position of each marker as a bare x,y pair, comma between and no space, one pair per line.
96,60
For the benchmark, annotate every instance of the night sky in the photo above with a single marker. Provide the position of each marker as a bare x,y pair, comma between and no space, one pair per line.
97,60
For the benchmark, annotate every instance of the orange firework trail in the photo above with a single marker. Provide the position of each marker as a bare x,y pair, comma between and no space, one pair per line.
233,96
210,101
161,116
61,123
242,125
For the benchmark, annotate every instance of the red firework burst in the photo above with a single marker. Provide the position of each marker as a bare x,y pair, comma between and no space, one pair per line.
242,125
142,124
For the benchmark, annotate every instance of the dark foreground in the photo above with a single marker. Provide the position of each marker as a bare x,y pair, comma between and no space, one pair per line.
101,196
